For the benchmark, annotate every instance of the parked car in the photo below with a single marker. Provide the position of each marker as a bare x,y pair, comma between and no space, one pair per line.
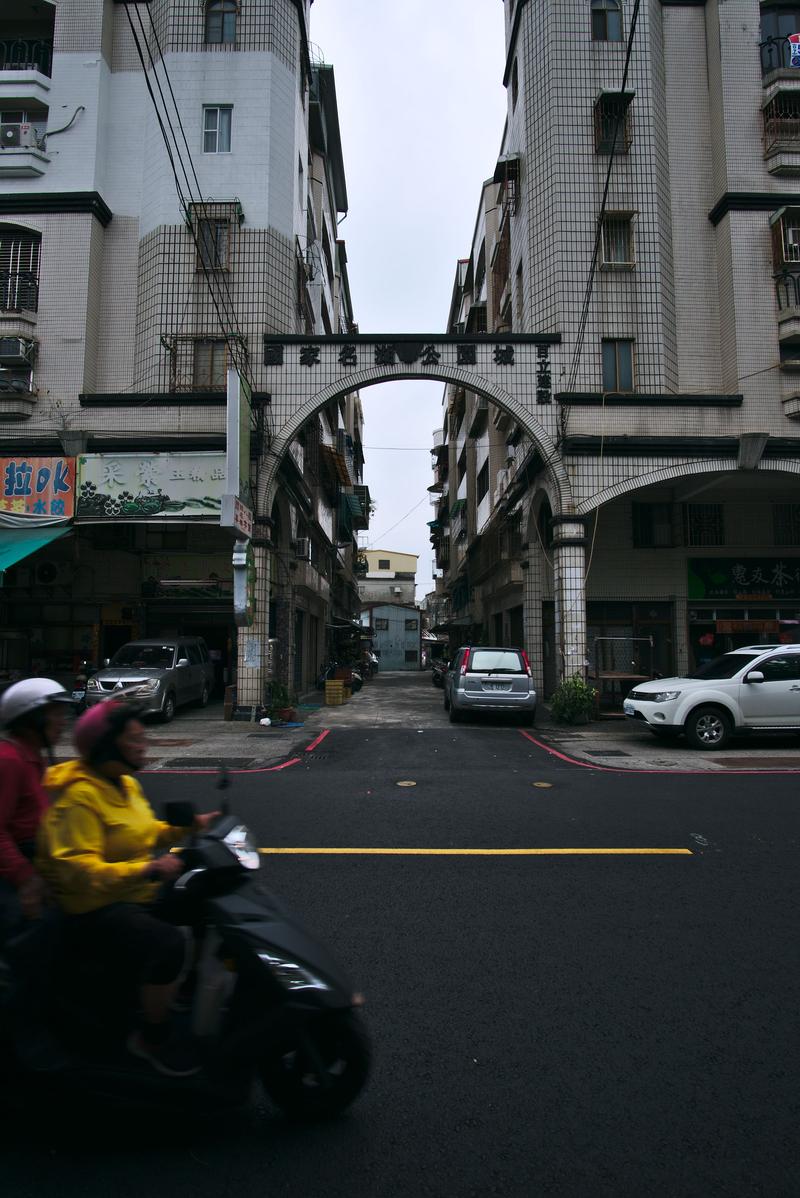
163,674
750,689
482,678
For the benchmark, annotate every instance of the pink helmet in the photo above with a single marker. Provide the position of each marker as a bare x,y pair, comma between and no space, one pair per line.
98,728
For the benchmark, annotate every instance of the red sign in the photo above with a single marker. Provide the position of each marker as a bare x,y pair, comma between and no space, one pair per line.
37,486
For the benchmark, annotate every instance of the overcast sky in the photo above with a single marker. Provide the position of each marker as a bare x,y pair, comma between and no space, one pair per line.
421,109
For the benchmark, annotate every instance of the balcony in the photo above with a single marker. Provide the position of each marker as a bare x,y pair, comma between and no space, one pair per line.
26,54
781,115
19,291
776,59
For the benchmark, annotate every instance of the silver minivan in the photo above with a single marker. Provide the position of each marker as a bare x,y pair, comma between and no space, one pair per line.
482,678
163,674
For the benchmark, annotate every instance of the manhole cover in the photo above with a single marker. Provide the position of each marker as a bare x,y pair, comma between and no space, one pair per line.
209,763
606,753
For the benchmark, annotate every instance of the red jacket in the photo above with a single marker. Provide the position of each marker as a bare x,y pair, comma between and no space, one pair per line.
23,802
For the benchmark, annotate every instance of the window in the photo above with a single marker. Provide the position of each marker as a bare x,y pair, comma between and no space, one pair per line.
606,21
652,525
519,299
704,524
612,123
217,129
412,655
482,481
514,85
618,240
785,224
381,625
210,365
786,523
412,625
618,365
19,269
213,240
781,668
778,22
15,380
221,22
384,563
782,122
194,655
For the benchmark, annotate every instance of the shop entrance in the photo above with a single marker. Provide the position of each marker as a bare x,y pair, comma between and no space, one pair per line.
216,630
716,630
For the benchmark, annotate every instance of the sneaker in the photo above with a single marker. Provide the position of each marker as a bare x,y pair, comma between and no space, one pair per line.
173,1058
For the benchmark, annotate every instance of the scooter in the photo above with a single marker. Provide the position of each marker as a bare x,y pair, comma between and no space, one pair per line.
438,671
79,686
270,1004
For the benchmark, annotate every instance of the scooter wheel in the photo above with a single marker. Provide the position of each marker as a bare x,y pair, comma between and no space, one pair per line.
315,1071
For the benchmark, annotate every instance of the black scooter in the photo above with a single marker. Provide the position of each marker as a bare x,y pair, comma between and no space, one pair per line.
269,1003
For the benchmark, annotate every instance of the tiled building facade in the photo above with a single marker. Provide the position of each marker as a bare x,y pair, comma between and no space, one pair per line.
130,301
672,394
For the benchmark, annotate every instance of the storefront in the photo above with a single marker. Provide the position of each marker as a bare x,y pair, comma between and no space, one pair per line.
741,601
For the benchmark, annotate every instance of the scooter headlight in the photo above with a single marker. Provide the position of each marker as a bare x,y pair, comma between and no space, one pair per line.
292,975
243,847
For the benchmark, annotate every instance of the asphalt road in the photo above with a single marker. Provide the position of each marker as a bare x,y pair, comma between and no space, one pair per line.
566,1024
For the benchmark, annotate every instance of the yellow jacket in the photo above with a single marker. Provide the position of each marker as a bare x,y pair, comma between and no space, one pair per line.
96,839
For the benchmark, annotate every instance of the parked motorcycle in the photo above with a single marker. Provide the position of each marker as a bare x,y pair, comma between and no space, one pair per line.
438,671
270,1003
79,686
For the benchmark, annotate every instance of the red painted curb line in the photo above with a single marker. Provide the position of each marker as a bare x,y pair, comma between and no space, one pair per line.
310,748
612,769
261,769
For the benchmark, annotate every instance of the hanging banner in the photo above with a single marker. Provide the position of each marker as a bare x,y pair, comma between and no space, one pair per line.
32,488
151,486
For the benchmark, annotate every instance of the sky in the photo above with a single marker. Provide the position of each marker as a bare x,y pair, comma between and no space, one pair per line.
421,102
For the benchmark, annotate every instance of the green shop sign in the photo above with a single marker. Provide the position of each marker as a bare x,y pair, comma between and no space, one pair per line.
744,578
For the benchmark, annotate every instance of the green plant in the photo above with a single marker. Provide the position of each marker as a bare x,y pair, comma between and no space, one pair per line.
280,698
573,700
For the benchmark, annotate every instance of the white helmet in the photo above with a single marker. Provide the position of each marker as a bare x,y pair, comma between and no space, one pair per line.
25,697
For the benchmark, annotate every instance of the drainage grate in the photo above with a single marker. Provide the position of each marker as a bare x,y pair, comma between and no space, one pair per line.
210,763
316,756
606,753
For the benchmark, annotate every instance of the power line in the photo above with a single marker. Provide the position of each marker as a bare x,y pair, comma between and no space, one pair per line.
399,522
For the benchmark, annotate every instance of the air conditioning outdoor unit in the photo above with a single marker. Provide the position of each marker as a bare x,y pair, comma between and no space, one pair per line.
16,351
397,590
17,137
302,549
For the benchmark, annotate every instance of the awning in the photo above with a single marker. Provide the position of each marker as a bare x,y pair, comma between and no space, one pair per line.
17,543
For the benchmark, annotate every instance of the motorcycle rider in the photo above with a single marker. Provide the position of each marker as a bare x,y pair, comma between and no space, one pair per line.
99,848
32,717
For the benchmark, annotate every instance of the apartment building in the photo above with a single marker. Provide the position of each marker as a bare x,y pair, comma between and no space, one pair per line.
132,277
665,527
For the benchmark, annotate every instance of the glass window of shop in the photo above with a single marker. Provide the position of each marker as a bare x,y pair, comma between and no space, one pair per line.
716,630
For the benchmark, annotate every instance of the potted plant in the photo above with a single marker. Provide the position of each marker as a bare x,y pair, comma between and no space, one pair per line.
573,701
280,703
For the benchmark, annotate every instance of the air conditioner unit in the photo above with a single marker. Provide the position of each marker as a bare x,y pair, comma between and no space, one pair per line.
47,573
17,351
397,590
302,549
10,137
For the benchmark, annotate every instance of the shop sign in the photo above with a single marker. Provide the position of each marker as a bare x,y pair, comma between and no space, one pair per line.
237,515
138,486
37,486
776,578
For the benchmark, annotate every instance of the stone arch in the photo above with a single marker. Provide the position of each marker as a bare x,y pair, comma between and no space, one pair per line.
556,471
663,474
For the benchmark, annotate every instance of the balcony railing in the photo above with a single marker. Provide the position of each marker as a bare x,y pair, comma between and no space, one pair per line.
776,55
19,290
26,54
787,290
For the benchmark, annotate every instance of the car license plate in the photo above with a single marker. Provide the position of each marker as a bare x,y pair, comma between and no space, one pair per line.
78,696
495,686
628,708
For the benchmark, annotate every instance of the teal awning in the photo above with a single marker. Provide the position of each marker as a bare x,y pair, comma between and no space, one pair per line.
17,543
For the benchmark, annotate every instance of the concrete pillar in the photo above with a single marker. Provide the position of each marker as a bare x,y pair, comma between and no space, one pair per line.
569,570
253,665
680,635
532,578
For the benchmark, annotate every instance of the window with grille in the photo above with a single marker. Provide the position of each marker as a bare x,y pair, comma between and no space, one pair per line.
210,365
213,242
217,123
704,524
221,22
384,563
381,625
606,21
618,364
19,269
652,525
786,523
412,625
782,122
785,224
617,241
612,123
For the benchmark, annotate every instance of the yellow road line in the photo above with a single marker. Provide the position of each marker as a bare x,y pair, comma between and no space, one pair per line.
481,852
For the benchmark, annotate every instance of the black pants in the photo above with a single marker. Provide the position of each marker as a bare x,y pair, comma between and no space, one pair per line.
129,943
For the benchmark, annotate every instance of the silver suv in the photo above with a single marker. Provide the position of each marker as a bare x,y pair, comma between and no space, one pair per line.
482,678
162,674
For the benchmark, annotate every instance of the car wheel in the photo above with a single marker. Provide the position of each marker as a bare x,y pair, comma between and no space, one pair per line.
708,728
455,715
446,702
204,696
528,719
168,710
